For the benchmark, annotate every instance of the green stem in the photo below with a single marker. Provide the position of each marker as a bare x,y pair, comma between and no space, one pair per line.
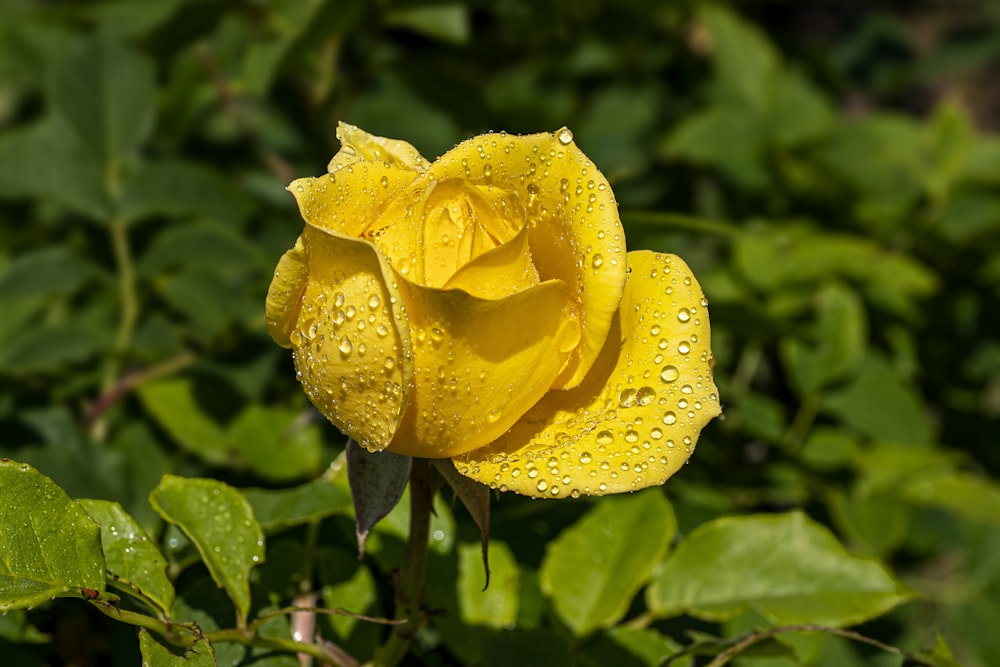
678,222
803,421
410,590
129,304
245,638
179,635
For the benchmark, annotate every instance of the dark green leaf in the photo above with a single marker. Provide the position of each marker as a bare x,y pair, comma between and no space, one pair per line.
220,522
494,606
50,272
49,547
970,496
183,189
277,510
595,567
157,654
105,92
377,483
173,405
476,499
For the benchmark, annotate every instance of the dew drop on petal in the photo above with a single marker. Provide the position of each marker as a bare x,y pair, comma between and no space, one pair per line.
345,346
669,373
565,136
683,314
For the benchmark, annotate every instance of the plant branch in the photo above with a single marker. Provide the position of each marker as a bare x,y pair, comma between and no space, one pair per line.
410,585
678,222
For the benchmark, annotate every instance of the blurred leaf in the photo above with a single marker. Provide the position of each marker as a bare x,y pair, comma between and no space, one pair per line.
177,188
882,405
595,567
49,547
201,246
276,444
799,112
202,297
721,137
14,627
494,606
969,496
615,128
448,22
105,92
353,588
44,161
220,522
133,561
829,448
874,525
761,416
969,215
837,345
744,60
49,347
156,654
49,272
172,403
731,564
475,498
377,483
279,509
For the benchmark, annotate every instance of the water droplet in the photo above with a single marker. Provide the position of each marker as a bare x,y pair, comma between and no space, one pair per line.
669,373
374,301
382,330
542,485
669,418
684,348
493,415
565,136
683,314
686,389
488,171
603,438
654,330
345,345
631,436
597,262
645,395
390,363
338,300
436,334
655,433
627,397
586,458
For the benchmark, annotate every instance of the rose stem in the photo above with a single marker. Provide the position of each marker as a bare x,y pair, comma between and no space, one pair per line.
410,590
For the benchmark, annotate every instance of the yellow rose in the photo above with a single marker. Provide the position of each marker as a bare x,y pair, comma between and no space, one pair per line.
483,308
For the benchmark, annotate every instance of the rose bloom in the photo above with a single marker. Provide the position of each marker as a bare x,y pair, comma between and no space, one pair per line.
482,308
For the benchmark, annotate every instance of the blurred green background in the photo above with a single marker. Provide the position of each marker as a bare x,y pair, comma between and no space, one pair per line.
830,170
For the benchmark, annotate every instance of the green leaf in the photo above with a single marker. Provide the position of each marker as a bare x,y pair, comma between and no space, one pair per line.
838,344
199,246
495,606
133,560
873,525
49,547
220,522
476,499
14,627
45,161
970,496
595,567
882,405
172,403
49,272
277,510
444,22
156,654
276,444
786,567
725,138
49,347
378,480
176,188
744,60
105,92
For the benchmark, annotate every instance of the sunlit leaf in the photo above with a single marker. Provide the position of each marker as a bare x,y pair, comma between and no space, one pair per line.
220,522
49,546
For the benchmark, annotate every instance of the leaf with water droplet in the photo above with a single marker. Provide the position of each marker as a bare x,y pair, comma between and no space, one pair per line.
731,564
595,567
133,560
377,483
49,546
220,522
599,438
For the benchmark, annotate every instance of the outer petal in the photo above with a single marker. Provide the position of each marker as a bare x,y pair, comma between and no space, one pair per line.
365,175
496,273
576,233
634,420
480,364
284,296
351,339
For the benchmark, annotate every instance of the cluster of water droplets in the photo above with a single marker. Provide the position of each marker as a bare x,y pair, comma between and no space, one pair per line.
644,424
350,358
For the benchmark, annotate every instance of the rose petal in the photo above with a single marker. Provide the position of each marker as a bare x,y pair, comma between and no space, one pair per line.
496,273
634,420
357,145
365,175
576,233
351,339
480,364
284,296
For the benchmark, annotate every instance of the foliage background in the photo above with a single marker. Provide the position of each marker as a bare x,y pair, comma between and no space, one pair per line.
829,170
